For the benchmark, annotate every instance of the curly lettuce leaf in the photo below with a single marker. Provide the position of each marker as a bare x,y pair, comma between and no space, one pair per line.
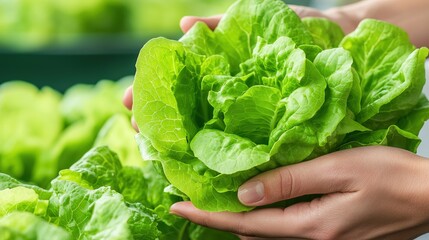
21,199
326,34
237,32
415,120
171,95
392,136
391,70
253,119
199,189
87,200
222,156
7,181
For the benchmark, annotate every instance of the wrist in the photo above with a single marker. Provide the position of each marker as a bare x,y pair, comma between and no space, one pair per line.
347,21
423,194
349,16
409,15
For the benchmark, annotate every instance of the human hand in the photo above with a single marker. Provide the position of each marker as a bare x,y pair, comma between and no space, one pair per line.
188,21
347,22
368,192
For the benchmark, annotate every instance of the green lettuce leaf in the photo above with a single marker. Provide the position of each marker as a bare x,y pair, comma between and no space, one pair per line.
326,34
393,136
415,120
236,35
21,199
163,99
87,200
253,119
390,68
222,156
8,182
237,32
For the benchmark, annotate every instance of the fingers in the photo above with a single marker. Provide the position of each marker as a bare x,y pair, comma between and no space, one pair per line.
188,21
134,124
307,220
128,98
328,174
261,238
349,209
261,223
303,12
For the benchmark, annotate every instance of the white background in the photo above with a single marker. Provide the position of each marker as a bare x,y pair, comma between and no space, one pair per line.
424,134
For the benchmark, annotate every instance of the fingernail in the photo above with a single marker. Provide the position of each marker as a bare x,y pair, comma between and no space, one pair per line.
251,192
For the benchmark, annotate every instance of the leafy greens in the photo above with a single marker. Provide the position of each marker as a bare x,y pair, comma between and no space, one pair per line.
267,89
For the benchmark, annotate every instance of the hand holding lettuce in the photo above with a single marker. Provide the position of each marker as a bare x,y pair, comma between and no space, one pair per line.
265,89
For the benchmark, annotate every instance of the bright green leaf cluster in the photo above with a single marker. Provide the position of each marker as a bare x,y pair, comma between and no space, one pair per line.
267,89
96,198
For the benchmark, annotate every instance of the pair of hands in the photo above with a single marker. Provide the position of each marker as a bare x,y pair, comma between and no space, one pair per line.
367,193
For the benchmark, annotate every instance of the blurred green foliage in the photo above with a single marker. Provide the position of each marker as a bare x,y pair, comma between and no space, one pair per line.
45,131
30,24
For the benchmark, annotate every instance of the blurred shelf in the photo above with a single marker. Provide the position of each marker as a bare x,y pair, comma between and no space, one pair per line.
62,71
61,66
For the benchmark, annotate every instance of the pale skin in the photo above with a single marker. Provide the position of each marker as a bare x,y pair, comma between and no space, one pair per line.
368,192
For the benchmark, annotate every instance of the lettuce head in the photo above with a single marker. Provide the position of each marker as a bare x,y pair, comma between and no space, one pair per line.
267,89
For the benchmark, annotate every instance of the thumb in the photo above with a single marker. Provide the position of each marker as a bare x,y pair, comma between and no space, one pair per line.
328,174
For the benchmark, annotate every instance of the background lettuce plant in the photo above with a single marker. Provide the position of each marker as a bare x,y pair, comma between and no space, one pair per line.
48,190
267,89
96,198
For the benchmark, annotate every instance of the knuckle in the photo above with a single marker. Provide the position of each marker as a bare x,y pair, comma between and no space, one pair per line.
245,227
243,230
332,235
289,184
205,220
328,234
